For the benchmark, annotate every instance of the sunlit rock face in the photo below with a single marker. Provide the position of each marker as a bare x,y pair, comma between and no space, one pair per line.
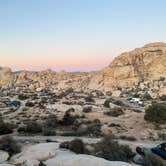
6,76
142,64
146,64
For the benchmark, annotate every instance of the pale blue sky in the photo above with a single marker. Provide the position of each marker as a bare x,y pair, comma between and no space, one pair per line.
76,34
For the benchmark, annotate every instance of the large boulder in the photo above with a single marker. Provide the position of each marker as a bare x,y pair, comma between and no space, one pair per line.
141,64
82,160
35,153
6,76
3,156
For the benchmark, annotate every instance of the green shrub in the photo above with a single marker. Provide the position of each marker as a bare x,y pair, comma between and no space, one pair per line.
162,136
52,121
5,128
115,112
42,164
163,98
89,99
153,160
107,102
48,132
68,118
87,109
9,145
129,138
64,145
156,113
22,97
31,127
75,145
109,149
29,104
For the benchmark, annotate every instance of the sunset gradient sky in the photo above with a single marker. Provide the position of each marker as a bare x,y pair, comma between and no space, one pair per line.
76,34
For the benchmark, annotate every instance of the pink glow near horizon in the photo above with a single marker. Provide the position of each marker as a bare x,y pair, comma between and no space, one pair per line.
60,60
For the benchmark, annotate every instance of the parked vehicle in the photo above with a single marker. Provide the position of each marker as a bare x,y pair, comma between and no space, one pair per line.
159,150
136,101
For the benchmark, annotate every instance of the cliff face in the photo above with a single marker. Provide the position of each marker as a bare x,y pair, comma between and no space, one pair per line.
142,64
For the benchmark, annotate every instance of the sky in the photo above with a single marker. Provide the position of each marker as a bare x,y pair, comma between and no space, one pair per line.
76,35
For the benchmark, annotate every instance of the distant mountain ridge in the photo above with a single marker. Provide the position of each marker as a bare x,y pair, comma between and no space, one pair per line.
126,70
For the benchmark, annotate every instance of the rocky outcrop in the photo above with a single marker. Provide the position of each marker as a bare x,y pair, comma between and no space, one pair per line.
146,64
6,76
142,64
51,155
3,156
82,160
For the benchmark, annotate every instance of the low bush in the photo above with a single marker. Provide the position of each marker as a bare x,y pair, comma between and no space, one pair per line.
22,97
29,104
75,145
128,138
163,98
5,128
107,102
115,112
88,128
48,132
31,127
109,149
52,121
9,145
89,99
162,136
156,113
87,109
68,118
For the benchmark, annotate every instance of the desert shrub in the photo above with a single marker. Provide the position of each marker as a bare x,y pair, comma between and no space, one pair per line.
107,102
147,96
109,93
68,118
153,160
69,133
129,138
90,128
87,109
156,113
75,145
29,104
115,112
22,97
51,121
118,102
109,149
48,132
163,98
89,99
94,128
162,136
16,103
42,164
5,128
9,145
31,127
69,90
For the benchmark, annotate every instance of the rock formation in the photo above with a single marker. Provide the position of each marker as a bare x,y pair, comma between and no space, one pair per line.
146,64
142,64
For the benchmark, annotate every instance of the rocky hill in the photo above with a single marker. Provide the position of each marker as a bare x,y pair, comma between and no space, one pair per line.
130,68
146,64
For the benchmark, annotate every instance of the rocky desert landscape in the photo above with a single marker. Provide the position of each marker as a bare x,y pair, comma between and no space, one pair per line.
96,118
